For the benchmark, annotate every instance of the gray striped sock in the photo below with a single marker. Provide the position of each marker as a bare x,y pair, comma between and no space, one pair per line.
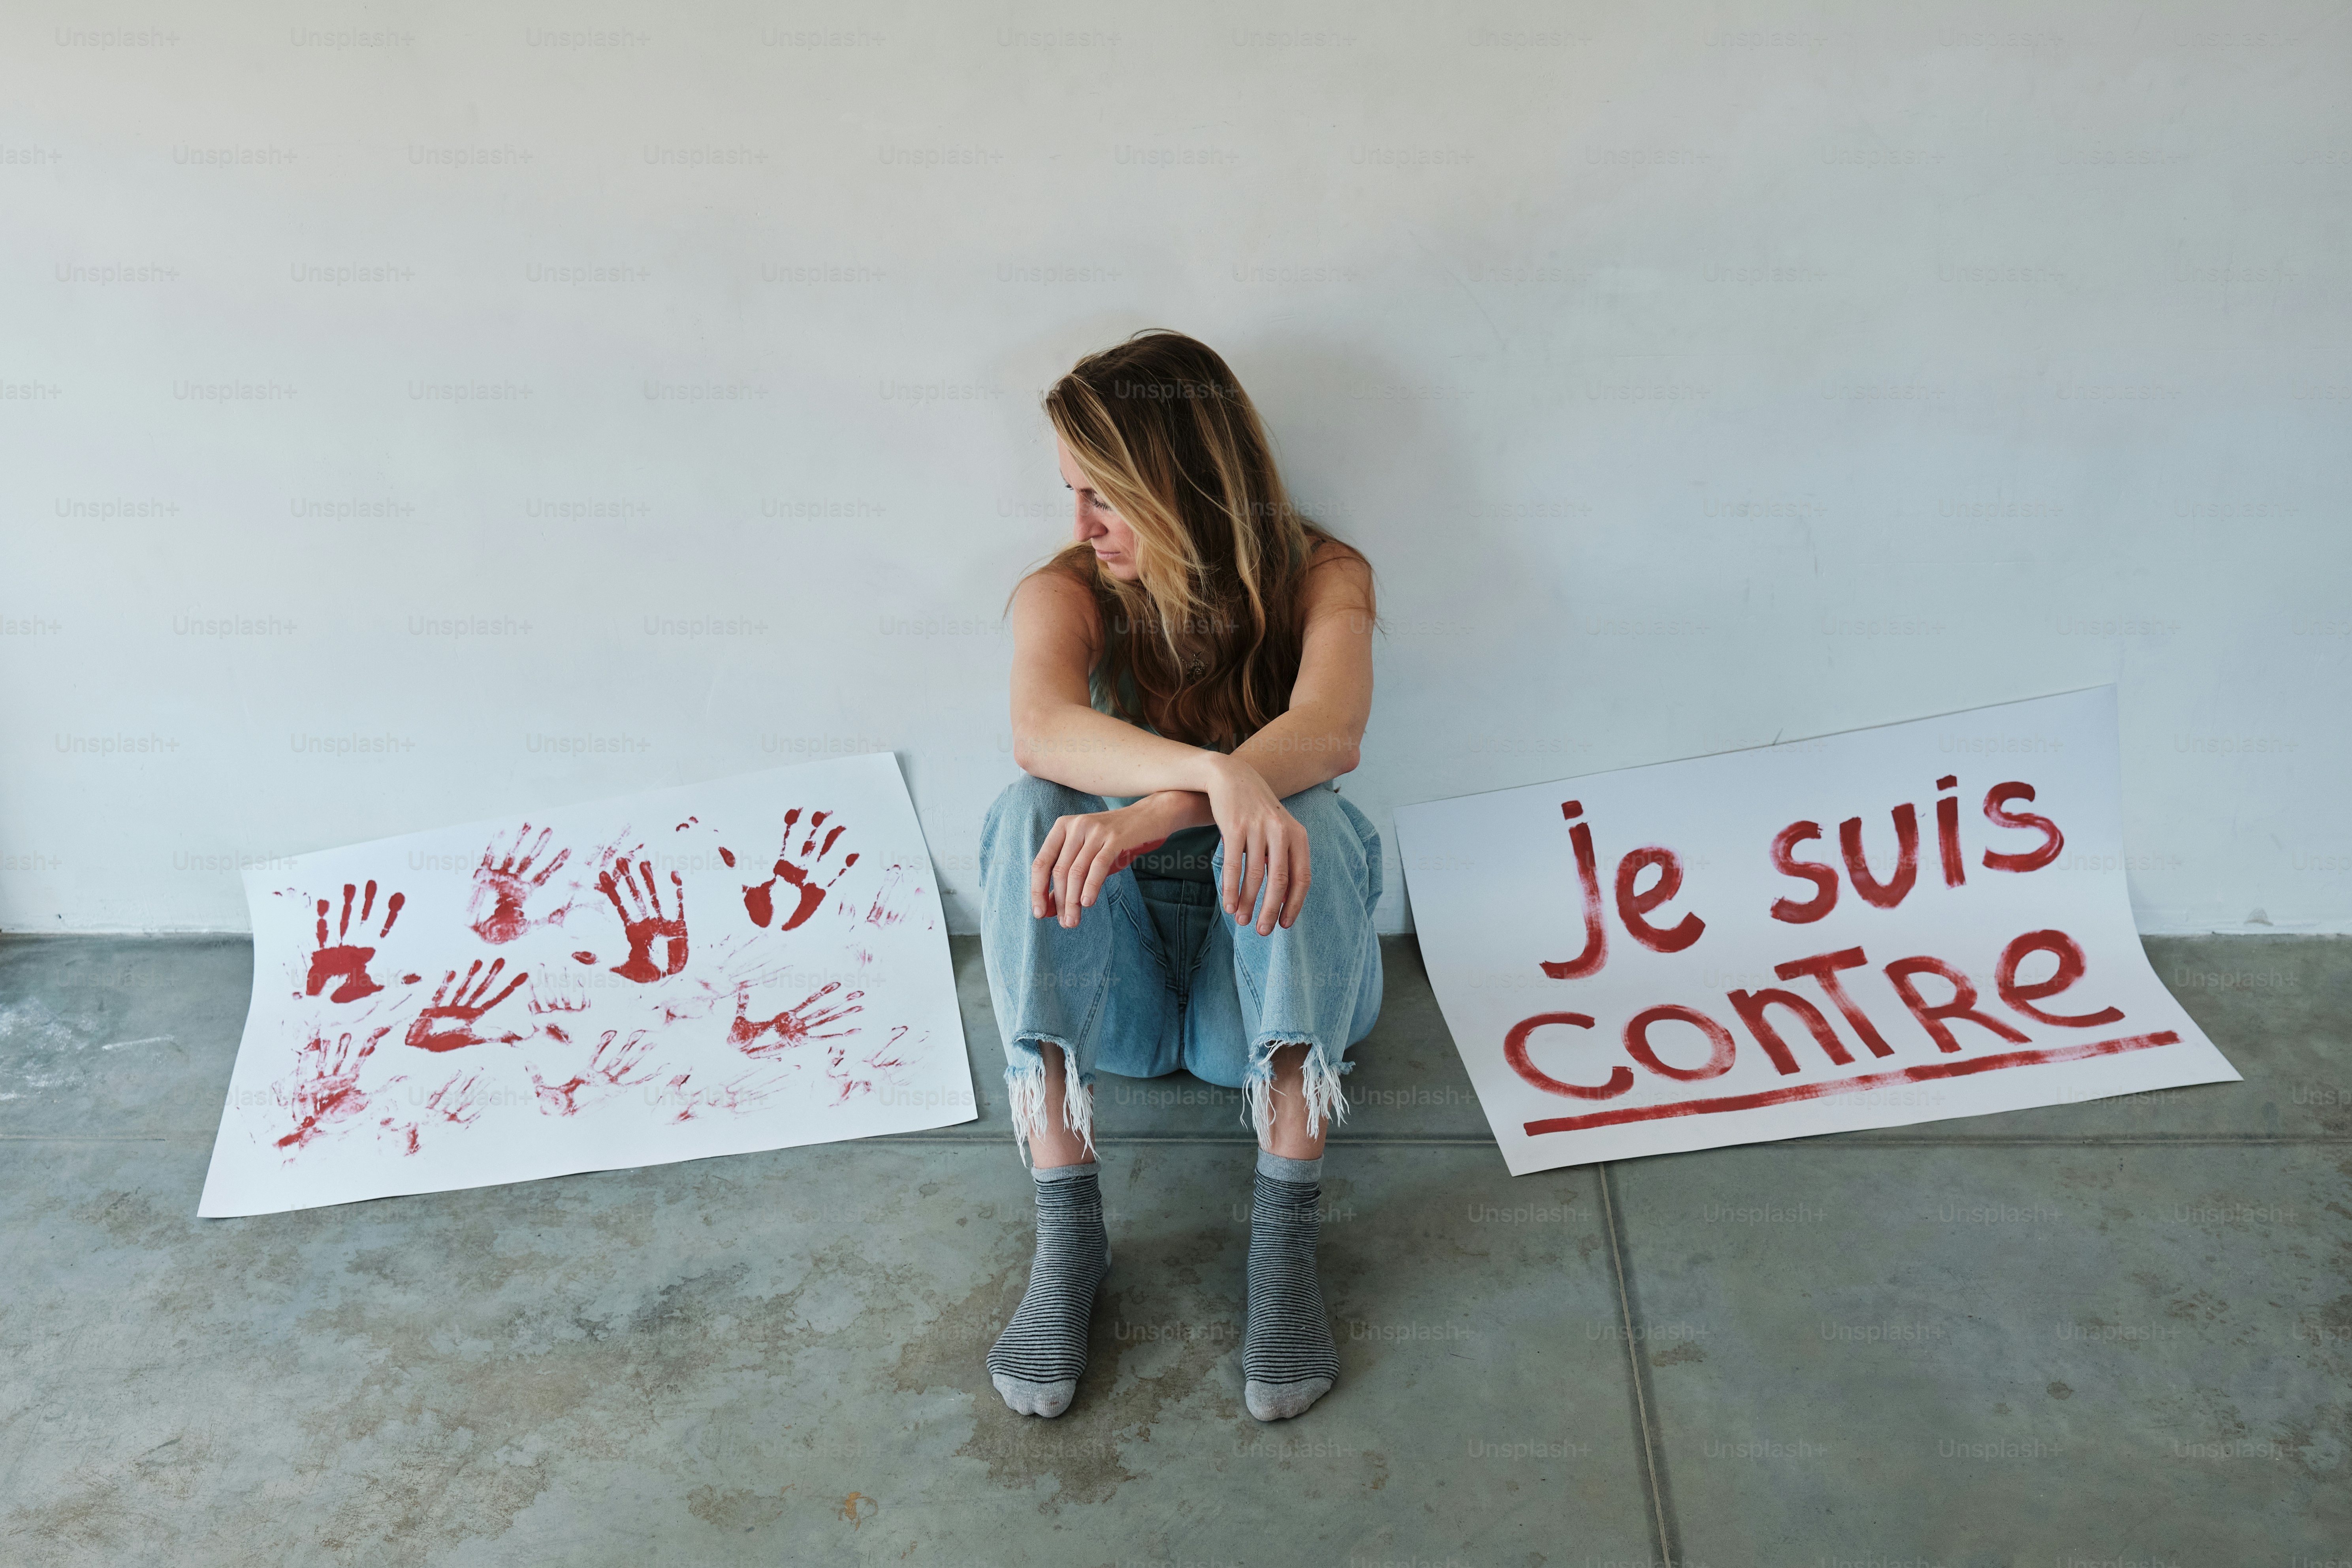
1038,1359
1287,1361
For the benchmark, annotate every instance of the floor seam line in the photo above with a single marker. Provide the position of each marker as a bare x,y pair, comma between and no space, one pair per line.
1652,1469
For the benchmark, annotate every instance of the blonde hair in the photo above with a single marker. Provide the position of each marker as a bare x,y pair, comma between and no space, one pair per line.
1210,632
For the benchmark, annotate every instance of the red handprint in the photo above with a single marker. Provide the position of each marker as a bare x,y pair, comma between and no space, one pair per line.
552,991
614,1066
882,1058
739,1094
675,1092
643,922
453,1103
759,900
506,883
745,1093
327,1085
346,960
888,907
446,1023
790,1027
889,1058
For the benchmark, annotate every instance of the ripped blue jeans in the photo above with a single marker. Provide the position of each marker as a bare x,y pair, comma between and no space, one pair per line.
1157,977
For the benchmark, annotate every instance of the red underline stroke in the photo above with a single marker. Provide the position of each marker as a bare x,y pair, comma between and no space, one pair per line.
1851,1085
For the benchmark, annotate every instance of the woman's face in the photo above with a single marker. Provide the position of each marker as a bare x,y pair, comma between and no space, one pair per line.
1096,523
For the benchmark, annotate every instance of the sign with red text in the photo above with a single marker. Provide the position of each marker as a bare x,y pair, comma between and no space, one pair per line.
1899,924
754,963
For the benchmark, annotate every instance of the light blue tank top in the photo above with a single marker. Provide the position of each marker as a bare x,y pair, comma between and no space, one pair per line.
1186,856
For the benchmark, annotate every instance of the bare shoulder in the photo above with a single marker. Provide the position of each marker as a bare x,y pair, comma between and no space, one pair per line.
1050,609
1338,579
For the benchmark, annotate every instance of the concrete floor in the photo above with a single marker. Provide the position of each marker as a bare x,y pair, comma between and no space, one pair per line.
2109,1334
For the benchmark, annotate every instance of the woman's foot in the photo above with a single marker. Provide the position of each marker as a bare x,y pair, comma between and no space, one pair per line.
1038,1359
1288,1361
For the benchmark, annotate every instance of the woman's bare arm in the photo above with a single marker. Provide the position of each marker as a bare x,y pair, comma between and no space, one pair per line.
1058,736
1057,733
1321,735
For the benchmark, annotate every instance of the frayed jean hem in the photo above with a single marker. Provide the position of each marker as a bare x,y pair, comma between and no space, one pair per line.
1319,1073
1024,1088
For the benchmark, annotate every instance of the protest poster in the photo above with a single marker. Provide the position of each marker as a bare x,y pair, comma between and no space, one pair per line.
1899,924
754,963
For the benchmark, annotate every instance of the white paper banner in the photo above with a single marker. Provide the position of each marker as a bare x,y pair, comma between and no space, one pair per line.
1898,924
754,963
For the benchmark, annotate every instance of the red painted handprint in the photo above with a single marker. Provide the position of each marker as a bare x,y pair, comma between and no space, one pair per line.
346,960
889,905
614,1066
791,1027
884,1059
743,1093
446,1023
762,1079
643,922
327,1085
800,872
505,884
555,992
452,1104
891,1057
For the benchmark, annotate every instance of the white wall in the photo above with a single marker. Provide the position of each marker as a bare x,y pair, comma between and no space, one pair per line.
1693,375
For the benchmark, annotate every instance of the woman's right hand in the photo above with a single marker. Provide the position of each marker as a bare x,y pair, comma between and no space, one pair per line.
1265,848
1082,850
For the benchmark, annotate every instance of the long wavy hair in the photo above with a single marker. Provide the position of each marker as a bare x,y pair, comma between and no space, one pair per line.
1205,644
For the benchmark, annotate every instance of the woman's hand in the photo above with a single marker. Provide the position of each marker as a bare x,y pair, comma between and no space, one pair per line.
1265,848
1084,850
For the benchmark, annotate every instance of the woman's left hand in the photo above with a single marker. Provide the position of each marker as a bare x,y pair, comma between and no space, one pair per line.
1266,849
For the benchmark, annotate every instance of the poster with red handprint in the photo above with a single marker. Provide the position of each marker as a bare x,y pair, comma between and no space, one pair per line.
755,963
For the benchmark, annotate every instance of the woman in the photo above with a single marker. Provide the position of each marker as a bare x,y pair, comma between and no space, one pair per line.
1190,674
